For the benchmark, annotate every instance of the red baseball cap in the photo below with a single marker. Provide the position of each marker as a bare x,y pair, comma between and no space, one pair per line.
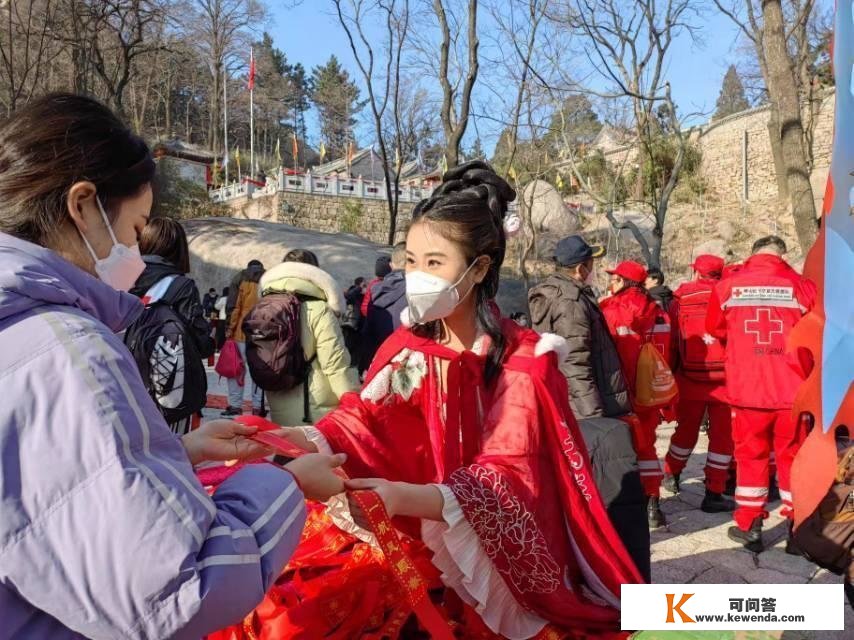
708,265
630,270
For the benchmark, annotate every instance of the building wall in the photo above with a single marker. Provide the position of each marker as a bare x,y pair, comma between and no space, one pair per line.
365,218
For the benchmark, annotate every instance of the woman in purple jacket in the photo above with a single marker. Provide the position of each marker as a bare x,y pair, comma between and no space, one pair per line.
105,532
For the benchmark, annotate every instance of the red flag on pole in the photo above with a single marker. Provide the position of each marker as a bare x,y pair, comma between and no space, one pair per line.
251,69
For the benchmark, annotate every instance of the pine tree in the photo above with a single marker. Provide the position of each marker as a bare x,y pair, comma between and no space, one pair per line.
731,98
476,152
336,97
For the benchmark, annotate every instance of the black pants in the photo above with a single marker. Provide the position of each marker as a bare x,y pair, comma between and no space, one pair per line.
609,444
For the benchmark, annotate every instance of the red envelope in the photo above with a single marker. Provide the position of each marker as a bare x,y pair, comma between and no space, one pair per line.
280,444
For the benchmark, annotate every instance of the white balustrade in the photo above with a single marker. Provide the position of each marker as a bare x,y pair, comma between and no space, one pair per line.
330,185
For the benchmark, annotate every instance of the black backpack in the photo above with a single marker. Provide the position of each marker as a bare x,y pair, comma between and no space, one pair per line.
274,351
158,340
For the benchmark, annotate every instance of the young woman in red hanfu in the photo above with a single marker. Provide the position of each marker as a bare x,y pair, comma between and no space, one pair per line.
464,431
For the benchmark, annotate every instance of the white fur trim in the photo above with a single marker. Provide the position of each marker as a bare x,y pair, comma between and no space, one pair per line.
552,342
404,318
315,275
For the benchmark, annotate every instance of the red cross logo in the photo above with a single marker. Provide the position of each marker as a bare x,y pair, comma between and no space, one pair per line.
763,327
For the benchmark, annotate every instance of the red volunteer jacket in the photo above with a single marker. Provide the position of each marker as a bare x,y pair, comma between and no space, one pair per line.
754,310
690,388
630,315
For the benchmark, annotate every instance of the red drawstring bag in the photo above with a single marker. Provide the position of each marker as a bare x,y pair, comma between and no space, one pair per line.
230,364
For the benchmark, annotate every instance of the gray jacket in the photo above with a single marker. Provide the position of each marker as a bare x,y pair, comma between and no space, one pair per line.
568,308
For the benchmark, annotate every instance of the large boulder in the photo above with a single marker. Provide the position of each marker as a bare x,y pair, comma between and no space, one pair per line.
221,246
548,212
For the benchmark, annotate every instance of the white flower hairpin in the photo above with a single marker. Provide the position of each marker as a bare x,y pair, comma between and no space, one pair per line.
512,224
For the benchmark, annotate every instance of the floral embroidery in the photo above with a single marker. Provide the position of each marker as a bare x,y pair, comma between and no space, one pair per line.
507,530
402,376
409,374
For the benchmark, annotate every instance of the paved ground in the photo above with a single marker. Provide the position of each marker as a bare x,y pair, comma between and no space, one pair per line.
694,547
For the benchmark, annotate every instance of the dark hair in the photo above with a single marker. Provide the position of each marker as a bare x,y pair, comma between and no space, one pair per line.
768,241
254,263
212,289
382,266
628,284
656,274
166,238
301,255
359,281
53,142
468,208
225,291
253,273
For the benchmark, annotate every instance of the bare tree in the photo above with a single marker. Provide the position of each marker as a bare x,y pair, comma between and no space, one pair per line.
220,27
774,39
24,39
380,70
628,46
520,23
126,31
455,117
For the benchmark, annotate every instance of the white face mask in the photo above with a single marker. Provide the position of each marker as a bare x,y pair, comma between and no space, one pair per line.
431,297
122,266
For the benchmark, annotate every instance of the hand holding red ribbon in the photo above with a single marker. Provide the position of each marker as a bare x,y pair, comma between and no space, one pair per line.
402,566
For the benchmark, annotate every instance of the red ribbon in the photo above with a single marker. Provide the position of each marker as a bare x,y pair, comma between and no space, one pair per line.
462,439
401,564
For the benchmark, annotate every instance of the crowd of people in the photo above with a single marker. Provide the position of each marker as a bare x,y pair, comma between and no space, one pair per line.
723,336
517,464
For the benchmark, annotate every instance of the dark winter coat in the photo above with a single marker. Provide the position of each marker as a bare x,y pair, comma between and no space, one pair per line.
187,300
568,308
615,470
662,295
208,303
388,300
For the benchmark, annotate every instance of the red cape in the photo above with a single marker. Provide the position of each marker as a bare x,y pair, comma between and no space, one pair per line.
519,471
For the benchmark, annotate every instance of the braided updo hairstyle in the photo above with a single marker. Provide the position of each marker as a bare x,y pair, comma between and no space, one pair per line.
468,208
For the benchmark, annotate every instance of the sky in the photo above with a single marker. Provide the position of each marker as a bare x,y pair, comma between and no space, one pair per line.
309,33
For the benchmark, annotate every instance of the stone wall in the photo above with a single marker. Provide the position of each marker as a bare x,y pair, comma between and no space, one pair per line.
332,214
722,146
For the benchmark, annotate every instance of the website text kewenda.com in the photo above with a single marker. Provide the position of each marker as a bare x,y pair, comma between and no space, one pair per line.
743,617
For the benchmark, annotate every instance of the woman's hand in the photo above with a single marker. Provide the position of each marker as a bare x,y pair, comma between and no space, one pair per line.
391,493
297,437
219,440
316,475
400,499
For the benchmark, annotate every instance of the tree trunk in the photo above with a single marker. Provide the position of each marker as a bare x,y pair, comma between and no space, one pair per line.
777,152
783,90
213,129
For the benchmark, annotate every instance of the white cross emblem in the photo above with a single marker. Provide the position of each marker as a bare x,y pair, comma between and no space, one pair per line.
763,327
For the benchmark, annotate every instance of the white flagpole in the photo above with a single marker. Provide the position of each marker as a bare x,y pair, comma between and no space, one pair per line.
252,122
225,117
